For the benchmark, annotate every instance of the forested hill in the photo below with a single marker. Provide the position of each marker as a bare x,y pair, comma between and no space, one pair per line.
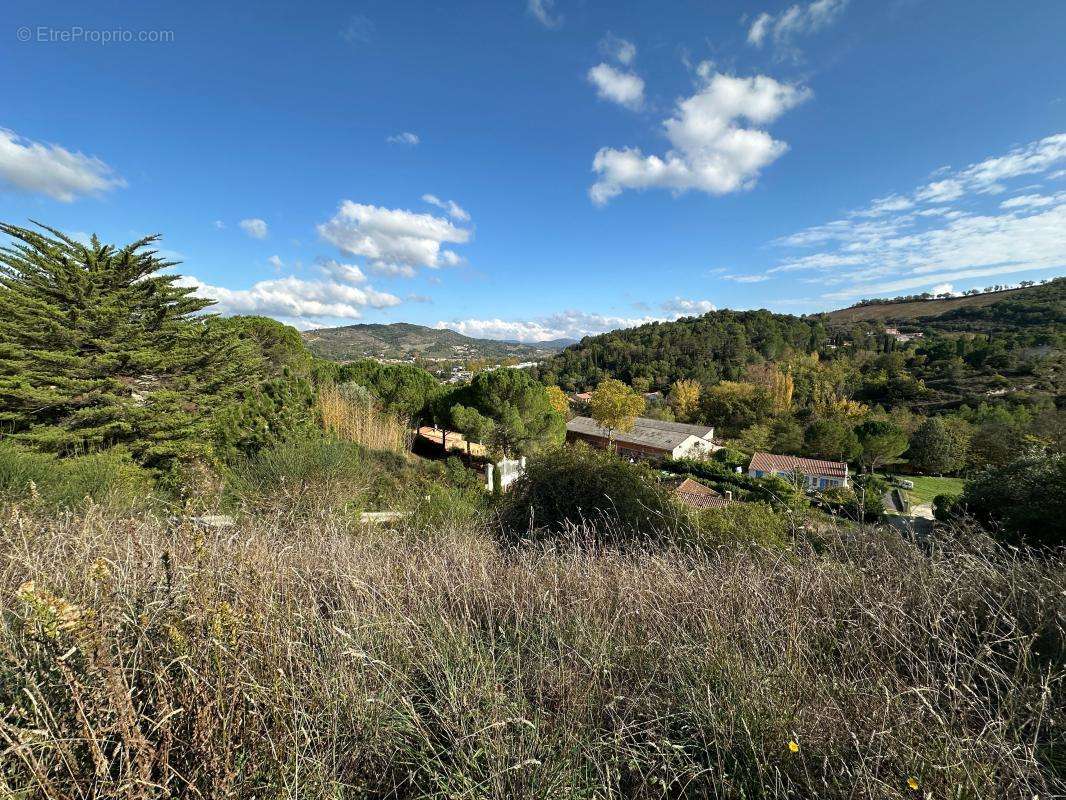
968,349
403,340
716,346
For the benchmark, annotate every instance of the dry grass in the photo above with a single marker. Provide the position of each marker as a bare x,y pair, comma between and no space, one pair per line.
315,663
362,422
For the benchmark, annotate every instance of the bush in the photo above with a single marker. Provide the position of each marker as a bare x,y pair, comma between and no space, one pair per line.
109,478
741,523
1024,502
576,487
317,474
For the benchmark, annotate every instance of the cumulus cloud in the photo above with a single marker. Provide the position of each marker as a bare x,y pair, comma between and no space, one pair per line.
570,324
394,241
455,211
405,138
680,305
304,303
542,12
901,243
712,151
276,263
794,21
254,227
294,298
624,88
52,170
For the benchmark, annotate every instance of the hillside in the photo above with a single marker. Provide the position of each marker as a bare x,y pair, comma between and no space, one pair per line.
403,340
908,311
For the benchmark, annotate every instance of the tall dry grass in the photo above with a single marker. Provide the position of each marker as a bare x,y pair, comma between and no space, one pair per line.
140,660
357,418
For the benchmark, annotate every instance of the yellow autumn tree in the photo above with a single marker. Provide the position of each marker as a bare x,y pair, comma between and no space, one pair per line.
560,402
615,406
685,399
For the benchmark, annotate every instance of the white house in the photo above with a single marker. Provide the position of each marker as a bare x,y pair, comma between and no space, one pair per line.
649,438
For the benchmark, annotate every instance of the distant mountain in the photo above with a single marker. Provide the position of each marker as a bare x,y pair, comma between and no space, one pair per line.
403,340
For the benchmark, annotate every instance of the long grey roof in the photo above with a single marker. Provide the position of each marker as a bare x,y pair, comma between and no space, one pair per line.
700,431
642,433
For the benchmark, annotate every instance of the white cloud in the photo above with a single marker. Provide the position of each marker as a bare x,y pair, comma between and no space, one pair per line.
276,262
394,241
405,138
621,50
344,273
52,170
944,288
747,278
680,305
941,191
455,211
1033,201
624,88
359,29
569,324
711,151
392,270
293,298
795,20
220,225
256,228
542,11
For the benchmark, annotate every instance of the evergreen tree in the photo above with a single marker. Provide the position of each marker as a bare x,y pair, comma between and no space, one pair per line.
99,348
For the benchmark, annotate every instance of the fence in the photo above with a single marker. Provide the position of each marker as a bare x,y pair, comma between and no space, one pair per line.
510,470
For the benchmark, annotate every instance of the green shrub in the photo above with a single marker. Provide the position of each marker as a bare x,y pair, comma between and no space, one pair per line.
576,487
109,478
741,523
1024,502
316,473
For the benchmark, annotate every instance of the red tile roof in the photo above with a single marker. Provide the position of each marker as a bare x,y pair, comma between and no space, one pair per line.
696,495
769,462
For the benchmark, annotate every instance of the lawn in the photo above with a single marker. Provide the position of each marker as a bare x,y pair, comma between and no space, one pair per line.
927,487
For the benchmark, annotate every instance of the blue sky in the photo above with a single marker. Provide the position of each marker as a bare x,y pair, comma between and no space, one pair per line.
533,169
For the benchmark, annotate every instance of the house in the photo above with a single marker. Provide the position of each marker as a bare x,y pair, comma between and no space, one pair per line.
896,334
582,397
697,496
815,473
649,438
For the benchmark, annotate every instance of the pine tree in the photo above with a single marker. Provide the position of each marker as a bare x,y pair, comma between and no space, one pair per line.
99,347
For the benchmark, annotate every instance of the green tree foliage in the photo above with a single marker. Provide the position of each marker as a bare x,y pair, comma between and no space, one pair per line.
1023,502
786,436
524,420
831,439
280,345
470,422
705,349
939,446
882,442
607,497
99,349
615,406
733,405
274,411
401,389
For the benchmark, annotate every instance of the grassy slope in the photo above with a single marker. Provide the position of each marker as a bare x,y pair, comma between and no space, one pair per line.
903,312
292,657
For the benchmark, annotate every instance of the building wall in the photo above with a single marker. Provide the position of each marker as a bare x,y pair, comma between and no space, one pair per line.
624,449
818,482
